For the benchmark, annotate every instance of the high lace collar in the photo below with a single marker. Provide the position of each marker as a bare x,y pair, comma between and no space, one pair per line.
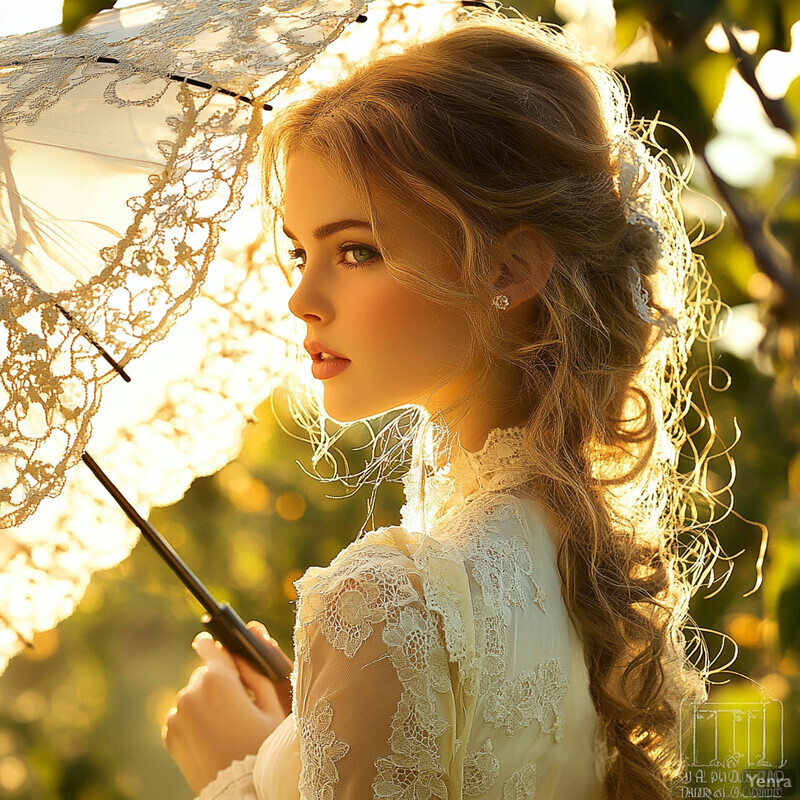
432,492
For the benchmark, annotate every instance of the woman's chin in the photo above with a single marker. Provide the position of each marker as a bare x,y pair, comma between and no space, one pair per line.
341,410
346,412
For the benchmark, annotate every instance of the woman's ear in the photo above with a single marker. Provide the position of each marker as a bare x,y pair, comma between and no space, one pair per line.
523,262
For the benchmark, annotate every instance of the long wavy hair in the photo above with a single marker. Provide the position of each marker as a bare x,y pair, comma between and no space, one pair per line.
501,122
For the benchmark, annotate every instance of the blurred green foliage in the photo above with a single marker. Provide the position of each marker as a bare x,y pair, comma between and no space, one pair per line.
76,13
80,716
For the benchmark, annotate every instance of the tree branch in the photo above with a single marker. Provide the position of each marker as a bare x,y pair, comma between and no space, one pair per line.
773,263
777,110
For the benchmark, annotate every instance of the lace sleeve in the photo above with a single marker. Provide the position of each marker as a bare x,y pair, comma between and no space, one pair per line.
234,782
375,704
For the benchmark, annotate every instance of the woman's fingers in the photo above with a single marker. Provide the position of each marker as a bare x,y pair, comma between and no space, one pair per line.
211,651
274,699
269,696
215,657
258,627
174,738
283,689
262,688
215,720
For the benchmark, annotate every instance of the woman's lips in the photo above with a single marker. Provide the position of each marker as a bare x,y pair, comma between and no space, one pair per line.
315,349
323,369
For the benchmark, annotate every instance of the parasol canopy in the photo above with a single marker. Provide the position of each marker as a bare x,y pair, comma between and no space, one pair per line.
131,246
115,177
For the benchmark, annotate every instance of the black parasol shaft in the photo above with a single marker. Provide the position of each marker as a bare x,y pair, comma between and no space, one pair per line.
221,621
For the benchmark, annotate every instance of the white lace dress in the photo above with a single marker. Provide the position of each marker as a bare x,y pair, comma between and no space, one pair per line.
439,664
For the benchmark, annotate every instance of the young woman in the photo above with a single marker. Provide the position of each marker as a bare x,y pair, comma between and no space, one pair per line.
483,237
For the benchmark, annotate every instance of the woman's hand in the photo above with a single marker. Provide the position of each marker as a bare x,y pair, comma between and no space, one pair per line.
224,712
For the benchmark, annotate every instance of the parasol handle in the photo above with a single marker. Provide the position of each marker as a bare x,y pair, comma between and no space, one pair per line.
221,621
228,628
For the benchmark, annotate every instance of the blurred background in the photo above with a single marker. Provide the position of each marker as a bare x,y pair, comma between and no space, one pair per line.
80,715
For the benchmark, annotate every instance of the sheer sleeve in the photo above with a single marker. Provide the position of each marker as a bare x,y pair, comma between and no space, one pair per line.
375,705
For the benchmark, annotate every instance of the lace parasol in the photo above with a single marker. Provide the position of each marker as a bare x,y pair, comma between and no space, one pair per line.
131,248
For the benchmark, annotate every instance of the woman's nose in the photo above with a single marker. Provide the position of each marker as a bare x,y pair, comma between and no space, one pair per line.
308,303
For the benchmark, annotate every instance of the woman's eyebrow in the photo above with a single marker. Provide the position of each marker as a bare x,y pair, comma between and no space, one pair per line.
329,228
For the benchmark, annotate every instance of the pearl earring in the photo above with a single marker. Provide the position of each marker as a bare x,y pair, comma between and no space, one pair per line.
501,301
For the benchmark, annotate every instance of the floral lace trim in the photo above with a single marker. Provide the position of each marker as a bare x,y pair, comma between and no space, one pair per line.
521,785
365,586
533,695
234,782
481,768
431,491
499,464
319,751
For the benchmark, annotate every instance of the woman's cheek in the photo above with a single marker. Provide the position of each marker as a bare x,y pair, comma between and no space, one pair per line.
391,331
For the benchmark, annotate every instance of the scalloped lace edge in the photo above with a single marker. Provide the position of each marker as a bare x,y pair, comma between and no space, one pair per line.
229,778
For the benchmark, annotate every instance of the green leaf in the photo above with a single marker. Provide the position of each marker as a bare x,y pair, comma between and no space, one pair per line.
792,100
76,13
789,617
629,23
708,77
682,23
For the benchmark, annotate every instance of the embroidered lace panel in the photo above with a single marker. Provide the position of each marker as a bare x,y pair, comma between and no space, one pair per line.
393,620
521,785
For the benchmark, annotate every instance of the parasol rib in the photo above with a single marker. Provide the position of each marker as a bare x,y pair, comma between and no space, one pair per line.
194,82
12,263
103,352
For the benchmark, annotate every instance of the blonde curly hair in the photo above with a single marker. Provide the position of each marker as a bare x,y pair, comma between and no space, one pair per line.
500,122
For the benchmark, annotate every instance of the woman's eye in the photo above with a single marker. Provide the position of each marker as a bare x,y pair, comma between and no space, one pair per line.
358,250
293,254
362,255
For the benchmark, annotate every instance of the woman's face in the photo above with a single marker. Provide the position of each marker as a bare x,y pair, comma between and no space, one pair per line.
399,345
